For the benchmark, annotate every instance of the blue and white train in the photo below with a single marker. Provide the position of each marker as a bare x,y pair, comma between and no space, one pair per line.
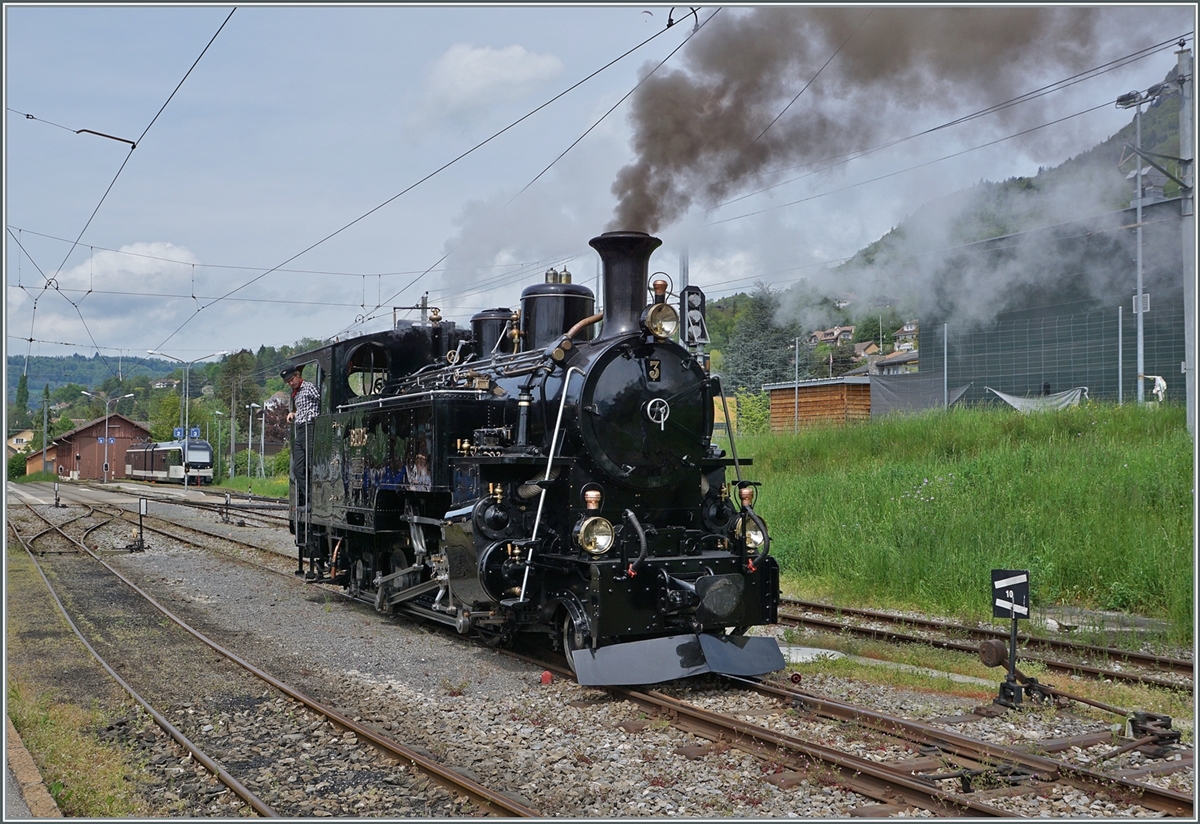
167,462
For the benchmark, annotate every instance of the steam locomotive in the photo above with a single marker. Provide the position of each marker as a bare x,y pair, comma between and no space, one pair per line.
529,475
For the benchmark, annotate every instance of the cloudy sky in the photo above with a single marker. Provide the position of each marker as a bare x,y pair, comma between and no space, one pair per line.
304,171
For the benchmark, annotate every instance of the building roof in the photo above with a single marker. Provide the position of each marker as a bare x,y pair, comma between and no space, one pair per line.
66,436
818,382
903,356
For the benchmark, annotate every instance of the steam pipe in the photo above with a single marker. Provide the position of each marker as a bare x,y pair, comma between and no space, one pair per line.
632,520
584,324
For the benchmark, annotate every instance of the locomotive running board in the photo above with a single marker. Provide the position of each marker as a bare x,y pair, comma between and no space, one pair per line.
677,656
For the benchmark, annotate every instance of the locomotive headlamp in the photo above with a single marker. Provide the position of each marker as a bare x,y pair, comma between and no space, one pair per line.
660,320
755,537
595,535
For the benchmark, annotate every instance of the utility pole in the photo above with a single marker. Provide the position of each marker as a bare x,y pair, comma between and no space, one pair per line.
1187,204
45,429
796,392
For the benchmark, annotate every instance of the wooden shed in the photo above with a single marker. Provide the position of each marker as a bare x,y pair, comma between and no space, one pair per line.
80,453
822,402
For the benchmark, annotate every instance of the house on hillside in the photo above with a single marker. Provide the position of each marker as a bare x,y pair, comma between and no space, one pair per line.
166,383
898,363
866,350
19,441
905,337
832,336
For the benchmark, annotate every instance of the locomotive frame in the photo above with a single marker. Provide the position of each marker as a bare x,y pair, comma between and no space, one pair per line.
530,476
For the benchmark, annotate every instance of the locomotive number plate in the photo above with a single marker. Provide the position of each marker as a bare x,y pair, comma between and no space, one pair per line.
654,371
358,437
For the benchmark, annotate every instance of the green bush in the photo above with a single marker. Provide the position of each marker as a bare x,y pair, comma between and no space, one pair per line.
16,466
281,463
753,413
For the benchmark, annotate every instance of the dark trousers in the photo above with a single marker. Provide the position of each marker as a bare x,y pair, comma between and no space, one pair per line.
301,444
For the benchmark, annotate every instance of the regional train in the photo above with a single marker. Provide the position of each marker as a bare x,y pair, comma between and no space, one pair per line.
171,462
548,473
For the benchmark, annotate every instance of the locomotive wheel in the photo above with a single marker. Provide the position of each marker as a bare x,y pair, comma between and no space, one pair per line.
569,638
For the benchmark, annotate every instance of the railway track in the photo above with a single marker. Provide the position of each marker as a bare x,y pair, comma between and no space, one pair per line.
995,783
938,771
1160,671
114,614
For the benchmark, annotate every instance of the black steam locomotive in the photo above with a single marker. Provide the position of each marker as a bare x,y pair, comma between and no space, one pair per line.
531,476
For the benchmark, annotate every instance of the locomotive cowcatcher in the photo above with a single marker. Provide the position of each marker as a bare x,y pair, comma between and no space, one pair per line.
550,470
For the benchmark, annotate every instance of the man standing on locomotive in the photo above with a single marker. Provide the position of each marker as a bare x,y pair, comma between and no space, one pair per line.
305,404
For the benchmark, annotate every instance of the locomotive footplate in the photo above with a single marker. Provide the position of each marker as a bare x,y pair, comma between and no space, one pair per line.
676,656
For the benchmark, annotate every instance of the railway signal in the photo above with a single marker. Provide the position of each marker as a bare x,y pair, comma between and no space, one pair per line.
1010,599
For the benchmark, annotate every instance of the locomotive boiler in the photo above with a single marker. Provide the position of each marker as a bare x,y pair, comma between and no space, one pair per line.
550,470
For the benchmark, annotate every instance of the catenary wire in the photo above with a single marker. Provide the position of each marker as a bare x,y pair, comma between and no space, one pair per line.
113,183
435,172
553,162
837,160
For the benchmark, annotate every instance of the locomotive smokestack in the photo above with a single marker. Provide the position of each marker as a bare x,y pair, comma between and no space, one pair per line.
626,259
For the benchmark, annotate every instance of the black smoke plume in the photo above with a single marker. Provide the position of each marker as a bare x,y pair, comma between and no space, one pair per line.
701,132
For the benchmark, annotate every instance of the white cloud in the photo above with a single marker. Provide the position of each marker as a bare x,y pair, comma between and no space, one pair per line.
147,267
467,80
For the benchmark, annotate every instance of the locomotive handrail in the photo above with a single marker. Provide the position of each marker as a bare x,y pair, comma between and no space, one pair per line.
737,468
549,464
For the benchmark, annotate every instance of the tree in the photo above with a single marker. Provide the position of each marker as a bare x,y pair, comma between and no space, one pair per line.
164,416
867,327
760,351
16,465
843,359
236,382
20,414
276,423
236,385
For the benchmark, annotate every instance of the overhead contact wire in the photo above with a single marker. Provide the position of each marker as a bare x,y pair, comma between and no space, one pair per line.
409,188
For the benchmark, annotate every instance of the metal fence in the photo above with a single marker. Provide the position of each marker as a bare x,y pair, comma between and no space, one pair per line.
1041,355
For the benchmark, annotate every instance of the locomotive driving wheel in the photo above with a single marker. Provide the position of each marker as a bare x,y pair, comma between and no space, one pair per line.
573,638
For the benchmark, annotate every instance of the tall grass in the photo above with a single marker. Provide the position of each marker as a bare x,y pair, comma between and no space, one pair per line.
1095,501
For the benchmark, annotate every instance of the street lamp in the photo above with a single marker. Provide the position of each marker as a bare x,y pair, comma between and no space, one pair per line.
107,413
262,444
250,437
187,368
1134,100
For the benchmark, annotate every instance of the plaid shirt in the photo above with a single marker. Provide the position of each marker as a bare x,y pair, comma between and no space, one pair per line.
305,403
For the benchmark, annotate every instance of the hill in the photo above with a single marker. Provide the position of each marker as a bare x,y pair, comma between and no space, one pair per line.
876,286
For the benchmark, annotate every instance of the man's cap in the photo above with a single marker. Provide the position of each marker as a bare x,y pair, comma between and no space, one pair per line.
288,371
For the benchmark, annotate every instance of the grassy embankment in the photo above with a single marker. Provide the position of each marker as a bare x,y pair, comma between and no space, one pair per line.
1095,501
